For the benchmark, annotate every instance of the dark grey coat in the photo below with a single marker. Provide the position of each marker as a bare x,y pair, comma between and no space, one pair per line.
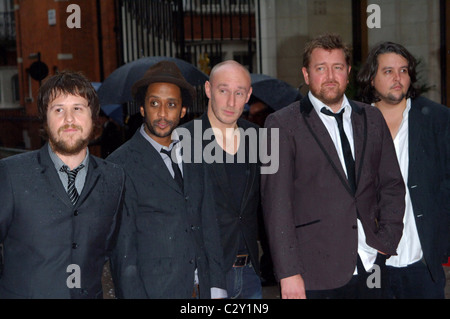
43,233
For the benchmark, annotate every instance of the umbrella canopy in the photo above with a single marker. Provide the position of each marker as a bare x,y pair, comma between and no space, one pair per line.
114,111
116,88
273,92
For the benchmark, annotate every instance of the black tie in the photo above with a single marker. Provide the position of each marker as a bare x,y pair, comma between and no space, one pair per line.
348,157
176,169
71,189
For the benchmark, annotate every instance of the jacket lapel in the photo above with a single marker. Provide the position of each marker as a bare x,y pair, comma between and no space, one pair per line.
153,162
414,134
359,127
92,177
51,176
323,139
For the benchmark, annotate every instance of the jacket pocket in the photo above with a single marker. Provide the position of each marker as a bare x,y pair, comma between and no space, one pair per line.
308,224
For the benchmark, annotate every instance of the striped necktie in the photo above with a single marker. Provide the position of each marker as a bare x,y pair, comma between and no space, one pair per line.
71,189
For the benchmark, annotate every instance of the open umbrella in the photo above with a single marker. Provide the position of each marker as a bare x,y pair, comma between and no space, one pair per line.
273,92
116,88
114,111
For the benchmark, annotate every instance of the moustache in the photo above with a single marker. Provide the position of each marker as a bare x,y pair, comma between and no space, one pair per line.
397,84
330,82
70,126
156,122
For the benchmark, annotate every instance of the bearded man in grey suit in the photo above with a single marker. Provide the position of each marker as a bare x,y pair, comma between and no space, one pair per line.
60,206
334,209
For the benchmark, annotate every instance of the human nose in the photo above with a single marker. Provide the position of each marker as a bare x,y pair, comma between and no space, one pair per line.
69,116
396,76
162,111
232,100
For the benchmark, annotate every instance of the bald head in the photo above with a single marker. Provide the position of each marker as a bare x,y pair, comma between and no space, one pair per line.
232,67
228,89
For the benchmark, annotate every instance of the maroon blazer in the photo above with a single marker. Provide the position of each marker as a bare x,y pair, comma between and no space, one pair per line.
309,209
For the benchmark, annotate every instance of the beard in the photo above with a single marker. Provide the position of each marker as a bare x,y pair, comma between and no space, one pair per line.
153,128
68,146
392,98
329,96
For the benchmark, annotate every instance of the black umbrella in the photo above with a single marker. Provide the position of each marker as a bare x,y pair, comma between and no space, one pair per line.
273,92
116,88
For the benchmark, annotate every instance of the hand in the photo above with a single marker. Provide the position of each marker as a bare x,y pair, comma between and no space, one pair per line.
292,288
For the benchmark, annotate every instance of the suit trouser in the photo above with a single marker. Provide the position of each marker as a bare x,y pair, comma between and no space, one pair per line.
413,282
364,285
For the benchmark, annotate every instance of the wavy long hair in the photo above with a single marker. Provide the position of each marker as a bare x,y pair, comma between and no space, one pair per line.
368,71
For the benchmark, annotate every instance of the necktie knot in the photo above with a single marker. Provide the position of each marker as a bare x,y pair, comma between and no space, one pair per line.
72,174
337,116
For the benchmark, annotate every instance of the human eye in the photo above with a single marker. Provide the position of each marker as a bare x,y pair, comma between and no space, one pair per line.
154,103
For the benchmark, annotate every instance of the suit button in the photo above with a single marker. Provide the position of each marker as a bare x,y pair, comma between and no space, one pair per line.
74,245
75,213
354,227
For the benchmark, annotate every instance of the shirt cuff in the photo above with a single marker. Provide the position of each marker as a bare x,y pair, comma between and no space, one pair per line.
218,293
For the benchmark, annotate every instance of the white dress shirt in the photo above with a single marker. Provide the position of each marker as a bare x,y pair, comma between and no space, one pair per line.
409,249
365,252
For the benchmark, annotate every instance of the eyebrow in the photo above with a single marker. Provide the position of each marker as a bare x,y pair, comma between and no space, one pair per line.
158,97
62,104
324,63
391,67
224,85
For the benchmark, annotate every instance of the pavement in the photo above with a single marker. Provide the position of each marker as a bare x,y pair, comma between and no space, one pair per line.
269,292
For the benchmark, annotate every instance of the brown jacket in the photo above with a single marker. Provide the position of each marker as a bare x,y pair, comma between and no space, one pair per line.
310,211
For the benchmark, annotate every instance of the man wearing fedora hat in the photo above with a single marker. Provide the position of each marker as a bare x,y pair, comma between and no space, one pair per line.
168,245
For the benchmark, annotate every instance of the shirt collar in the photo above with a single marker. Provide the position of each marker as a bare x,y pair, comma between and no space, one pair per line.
156,145
318,105
59,163
407,109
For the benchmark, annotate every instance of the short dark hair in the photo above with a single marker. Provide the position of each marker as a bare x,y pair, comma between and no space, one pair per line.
66,82
369,70
328,42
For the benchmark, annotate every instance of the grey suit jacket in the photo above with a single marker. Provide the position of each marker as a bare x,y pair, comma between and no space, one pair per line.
309,208
166,232
429,180
45,237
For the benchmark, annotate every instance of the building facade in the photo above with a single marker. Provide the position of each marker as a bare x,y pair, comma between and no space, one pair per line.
41,37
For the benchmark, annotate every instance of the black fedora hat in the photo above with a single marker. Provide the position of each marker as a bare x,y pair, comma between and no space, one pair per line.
165,72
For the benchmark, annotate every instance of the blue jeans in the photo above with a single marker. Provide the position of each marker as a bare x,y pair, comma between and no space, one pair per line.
243,283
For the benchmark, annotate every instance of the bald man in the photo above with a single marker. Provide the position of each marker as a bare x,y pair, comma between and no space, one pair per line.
234,177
